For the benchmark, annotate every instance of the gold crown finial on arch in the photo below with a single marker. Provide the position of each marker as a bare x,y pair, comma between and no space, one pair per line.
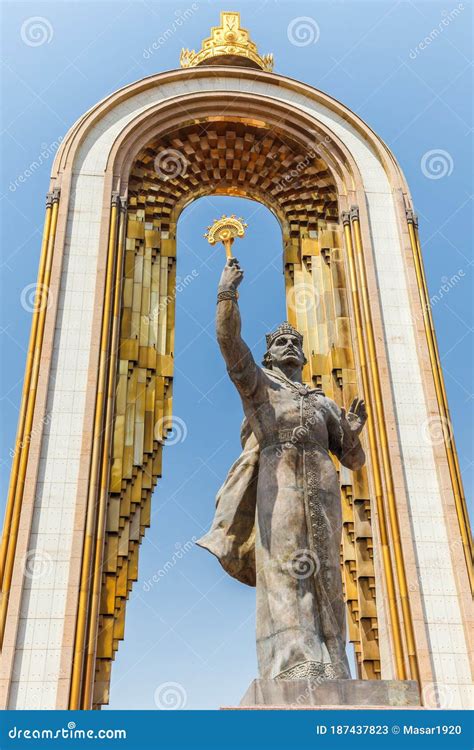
228,44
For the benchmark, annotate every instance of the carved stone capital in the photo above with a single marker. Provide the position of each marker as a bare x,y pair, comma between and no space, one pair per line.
412,218
354,213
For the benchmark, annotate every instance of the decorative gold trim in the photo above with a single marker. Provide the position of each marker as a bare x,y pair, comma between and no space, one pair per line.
93,619
451,453
377,478
97,443
386,461
25,393
142,419
22,448
227,40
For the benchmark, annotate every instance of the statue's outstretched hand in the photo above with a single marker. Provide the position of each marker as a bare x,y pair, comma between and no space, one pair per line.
356,416
232,275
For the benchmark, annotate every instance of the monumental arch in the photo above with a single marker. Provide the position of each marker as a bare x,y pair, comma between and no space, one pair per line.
98,393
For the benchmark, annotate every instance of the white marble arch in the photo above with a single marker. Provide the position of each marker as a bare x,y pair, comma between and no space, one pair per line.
37,660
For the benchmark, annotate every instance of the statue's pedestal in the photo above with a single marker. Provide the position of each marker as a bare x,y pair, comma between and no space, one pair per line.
295,694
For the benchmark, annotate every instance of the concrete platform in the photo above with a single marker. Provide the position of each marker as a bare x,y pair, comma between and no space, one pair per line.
337,694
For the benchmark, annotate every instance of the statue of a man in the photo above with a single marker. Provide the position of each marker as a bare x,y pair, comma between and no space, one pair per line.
278,516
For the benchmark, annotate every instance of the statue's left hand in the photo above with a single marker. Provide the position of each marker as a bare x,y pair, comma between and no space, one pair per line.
357,415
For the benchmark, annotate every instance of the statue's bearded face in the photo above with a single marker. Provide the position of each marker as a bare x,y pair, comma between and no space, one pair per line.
286,349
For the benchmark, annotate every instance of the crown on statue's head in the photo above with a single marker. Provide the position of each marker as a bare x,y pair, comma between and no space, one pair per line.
284,328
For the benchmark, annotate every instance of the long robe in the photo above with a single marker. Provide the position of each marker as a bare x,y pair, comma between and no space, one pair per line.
278,521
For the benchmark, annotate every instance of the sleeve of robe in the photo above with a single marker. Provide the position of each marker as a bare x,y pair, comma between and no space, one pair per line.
343,443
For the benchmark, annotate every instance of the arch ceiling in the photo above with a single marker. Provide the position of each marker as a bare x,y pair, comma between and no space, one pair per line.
234,157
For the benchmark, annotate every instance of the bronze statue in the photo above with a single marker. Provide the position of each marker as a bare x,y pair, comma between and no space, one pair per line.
278,521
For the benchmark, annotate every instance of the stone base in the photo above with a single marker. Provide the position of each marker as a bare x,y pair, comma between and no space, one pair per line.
332,693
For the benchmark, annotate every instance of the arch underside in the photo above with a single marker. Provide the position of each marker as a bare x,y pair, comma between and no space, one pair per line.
241,157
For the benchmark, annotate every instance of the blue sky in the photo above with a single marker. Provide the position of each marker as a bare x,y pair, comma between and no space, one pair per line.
195,627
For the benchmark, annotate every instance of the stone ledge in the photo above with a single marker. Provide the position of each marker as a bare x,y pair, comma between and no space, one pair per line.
332,694
325,708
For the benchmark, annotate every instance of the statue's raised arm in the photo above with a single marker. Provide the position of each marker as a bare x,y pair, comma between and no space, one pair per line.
241,365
